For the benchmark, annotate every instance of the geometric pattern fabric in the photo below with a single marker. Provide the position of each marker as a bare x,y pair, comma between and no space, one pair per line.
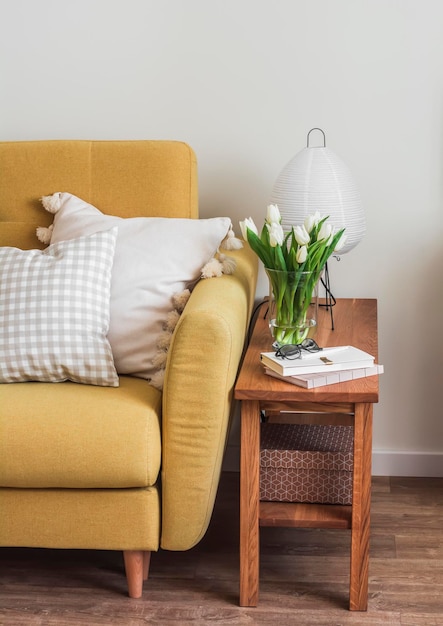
306,463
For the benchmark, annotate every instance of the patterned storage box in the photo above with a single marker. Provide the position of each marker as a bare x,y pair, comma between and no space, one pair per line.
306,463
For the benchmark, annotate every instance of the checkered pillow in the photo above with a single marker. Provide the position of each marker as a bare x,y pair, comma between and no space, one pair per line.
54,312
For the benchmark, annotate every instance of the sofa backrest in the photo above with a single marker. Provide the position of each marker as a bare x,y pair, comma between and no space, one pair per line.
125,178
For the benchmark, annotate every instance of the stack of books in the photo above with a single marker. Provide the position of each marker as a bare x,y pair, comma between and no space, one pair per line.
327,367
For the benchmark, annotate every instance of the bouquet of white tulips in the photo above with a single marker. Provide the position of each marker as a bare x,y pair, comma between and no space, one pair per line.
294,262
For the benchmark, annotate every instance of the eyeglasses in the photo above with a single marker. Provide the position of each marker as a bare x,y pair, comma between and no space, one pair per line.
293,351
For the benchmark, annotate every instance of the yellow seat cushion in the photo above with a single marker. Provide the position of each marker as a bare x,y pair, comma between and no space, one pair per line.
66,435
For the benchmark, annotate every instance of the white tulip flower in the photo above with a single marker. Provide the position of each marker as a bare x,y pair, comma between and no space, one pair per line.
301,235
245,224
276,234
302,254
273,214
340,243
325,233
311,221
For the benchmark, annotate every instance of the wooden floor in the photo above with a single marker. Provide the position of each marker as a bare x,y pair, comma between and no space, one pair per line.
304,573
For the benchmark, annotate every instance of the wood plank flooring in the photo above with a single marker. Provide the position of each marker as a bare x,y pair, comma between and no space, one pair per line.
303,581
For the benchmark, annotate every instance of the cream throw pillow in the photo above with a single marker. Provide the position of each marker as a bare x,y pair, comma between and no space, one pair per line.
155,259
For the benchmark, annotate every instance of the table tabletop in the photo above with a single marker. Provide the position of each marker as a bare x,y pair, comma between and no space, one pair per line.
355,323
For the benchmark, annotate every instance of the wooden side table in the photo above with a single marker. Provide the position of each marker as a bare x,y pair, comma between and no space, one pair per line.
343,403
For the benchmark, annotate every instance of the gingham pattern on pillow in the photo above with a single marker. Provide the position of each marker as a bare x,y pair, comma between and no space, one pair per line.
54,312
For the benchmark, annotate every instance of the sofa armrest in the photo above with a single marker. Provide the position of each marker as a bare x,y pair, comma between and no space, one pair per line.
202,366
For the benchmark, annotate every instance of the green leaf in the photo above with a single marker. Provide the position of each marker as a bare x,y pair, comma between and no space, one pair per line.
260,249
279,259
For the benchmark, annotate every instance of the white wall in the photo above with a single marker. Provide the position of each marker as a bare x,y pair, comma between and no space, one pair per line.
243,81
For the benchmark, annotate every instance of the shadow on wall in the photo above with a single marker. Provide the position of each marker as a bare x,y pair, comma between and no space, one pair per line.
411,349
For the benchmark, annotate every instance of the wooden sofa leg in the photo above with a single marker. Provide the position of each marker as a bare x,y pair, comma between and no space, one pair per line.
146,563
136,567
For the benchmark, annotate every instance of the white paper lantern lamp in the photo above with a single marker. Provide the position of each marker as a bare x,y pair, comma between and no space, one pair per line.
316,179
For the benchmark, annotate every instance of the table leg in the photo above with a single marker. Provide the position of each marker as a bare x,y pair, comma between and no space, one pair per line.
361,507
249,502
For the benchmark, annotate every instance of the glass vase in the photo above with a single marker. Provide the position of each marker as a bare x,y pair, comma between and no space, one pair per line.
293,305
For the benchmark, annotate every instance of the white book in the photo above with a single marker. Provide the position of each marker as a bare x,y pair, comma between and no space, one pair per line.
348,357
311,381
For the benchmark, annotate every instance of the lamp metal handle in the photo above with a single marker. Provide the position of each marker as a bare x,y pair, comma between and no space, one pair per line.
322,132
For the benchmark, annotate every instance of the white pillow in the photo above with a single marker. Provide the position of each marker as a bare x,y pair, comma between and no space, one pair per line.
155,258
54,312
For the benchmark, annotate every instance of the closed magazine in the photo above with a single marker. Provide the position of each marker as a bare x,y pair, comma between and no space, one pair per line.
311,381
327,360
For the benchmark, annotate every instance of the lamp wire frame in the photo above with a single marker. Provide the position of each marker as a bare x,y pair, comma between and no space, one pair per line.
330,300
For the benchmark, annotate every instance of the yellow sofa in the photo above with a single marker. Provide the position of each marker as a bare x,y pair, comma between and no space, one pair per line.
129,468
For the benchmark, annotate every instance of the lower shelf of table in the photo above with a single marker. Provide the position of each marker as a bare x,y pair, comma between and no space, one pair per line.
300,515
